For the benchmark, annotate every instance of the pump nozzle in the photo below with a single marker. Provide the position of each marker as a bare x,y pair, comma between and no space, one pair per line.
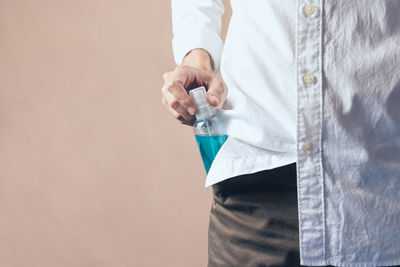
204,110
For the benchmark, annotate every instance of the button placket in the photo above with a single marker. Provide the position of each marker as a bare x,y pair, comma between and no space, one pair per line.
309,105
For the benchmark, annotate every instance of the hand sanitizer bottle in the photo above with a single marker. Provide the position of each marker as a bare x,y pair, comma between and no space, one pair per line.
206,128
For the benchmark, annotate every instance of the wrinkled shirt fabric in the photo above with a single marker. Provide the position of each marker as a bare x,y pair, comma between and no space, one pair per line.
315,82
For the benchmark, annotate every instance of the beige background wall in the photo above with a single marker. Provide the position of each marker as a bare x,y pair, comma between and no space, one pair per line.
93,170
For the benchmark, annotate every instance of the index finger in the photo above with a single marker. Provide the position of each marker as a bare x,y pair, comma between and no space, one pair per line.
176,89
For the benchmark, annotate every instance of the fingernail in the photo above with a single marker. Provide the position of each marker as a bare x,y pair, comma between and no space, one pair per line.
191,110
215,99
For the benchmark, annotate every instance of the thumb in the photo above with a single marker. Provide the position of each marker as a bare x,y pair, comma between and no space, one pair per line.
214,91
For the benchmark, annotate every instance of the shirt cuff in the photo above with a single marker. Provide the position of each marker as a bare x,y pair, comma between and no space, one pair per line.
210,42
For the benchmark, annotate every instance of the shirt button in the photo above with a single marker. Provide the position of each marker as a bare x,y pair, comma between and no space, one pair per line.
308,147
309,10
308,78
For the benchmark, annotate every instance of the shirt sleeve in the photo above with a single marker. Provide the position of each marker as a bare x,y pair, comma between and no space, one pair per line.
197,24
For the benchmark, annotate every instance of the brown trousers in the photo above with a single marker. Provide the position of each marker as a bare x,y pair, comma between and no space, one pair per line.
254,221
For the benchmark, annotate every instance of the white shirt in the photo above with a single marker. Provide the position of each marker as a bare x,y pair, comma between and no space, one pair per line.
315,82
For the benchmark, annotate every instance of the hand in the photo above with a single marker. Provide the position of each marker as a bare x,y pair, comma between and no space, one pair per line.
178,82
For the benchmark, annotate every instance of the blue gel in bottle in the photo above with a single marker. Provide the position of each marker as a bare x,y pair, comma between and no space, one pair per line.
209,147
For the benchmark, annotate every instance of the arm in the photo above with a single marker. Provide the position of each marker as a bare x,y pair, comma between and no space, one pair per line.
197,48
197,24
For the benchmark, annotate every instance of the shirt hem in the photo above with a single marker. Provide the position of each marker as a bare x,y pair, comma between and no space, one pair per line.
258,168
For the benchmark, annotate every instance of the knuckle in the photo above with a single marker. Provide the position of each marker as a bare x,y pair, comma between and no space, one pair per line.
218,91
165,76
185,101
218,84
174,103
180,68
170,85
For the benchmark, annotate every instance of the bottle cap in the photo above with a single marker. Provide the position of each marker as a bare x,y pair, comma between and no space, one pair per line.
204,110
